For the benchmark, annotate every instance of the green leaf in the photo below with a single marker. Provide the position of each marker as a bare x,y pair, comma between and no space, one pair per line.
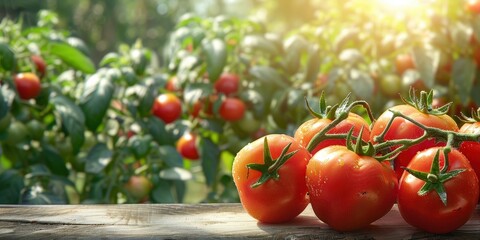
269,75
54,161
463,75
98,158
7,57
313,65
156,128
259,43
11,186
361,83
210,154
72,57
140,145
72,119
109,58
146,94
426,62
162,192
170,156
4,106
175,173
96,97
216,57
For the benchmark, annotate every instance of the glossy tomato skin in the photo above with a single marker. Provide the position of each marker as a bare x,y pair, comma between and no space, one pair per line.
275,201
471,149
309,128
228,84
187,146
168,107
28,85
404,129
427,212
349,191
232,109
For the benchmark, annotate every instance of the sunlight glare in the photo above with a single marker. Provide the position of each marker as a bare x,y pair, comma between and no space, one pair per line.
395,4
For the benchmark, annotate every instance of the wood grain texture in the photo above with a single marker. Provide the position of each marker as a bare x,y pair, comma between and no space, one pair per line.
199,221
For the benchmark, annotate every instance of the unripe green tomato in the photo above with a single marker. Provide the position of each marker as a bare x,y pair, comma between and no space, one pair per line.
17,132
5,122
248,124
391,85
36,129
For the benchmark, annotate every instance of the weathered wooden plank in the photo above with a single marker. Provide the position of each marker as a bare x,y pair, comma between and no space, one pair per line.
176,221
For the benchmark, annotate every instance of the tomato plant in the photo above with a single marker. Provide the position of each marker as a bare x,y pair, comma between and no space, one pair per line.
187,146
28,85
168,107
401,128
269,168
349,205
232,109
437,194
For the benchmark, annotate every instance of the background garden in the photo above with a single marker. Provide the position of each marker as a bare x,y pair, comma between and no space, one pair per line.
97,97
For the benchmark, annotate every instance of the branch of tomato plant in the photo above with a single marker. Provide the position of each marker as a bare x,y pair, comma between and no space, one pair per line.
451,137
337,113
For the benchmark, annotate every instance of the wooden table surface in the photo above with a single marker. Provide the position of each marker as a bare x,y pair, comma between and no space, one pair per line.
197,221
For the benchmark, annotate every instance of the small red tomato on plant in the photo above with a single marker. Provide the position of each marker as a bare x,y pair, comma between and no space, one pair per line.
28,85
228,84
404,62
420,110
138,187
167,107
173,84
232,109
349,190
436,197
187,146
40,65
269,174
473,6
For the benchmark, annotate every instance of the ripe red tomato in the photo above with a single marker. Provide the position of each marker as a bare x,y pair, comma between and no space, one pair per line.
228,84
404,129
138,187
473,6
281,197
471,149
40,65
187,146
232,109
309,128
427,211
173,84
167,107
28,85
349,191
404,62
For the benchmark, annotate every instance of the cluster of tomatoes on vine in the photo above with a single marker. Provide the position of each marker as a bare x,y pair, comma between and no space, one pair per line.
352,170
223,103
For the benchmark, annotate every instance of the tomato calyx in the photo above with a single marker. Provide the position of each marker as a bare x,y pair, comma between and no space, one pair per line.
435,179
475,116
270,167
325,111
424,102
359,146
